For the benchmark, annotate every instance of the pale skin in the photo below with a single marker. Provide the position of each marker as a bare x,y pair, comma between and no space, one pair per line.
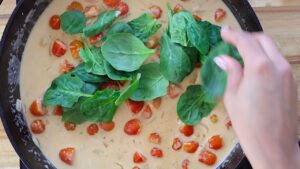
261,100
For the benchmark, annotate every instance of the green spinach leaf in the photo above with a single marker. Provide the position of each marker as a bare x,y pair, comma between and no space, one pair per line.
152,83
198,36
73,114
104,20
213,33
114,74
214,78
85,76
93,59
118,28
193,105
144,26
129,90
125,52
72,22
175,64
65,91
101,107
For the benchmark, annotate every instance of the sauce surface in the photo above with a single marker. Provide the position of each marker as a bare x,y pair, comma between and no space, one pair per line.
115,149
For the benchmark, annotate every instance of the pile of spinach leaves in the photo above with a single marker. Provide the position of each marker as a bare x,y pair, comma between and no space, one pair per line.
120,57
185,42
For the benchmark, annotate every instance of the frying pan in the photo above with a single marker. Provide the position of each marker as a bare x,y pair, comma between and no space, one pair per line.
12,46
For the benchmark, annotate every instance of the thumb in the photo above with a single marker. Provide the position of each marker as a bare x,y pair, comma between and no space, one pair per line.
233,69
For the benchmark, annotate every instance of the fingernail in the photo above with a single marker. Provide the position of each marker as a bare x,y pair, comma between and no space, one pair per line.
220,62
225,28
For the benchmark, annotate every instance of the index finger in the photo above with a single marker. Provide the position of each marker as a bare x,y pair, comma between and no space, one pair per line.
248,46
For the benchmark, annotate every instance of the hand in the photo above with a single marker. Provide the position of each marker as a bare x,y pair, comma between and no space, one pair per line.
261,100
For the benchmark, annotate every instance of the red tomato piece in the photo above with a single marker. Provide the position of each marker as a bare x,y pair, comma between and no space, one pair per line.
190,147
75,6
138,158
107,126
215,142
92,129
207,157
59,48
75,46
133,127
219,14
91,11
67,155
147,112
111,3
36,108
185,164
38,126
123,8
197,17
96,38
122,82
66,67
152,43
156,11
178,8
70,126
156,152
58,111
228,123
157,102
198,65
135,106
187,130
54,22
177,144
110,85
155,138
174,91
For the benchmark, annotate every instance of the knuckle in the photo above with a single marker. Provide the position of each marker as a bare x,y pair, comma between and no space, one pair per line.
262,65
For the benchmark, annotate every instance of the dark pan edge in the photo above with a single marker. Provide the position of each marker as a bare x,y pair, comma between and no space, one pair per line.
17,30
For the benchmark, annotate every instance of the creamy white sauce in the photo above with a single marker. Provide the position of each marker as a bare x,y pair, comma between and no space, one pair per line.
115,149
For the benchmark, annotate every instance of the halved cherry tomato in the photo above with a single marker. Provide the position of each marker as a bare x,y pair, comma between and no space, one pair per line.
156,152
133,127
152,43
197,17
156,11
66,67
75,5
157,102
91,11
107,126
228,123
185,164
187,130
92,129
54,22
198,65
219,14
111,3
190,147
110,85
138,158
67,155
96,38
136,167
207,157
174,91
59,48
177,144
213,118
38,126
215,142
75,46
58,111
123,8
147,112
135,106
178,8
70,126
36,108
155,138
